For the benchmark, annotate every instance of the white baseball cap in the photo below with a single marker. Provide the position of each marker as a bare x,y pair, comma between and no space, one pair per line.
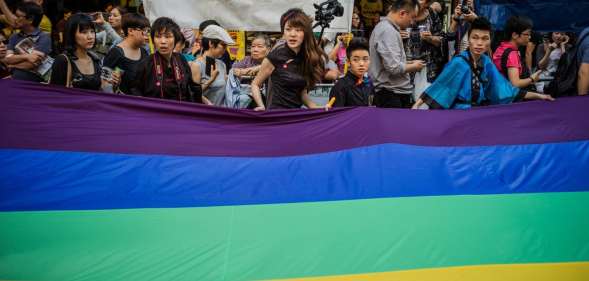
217,32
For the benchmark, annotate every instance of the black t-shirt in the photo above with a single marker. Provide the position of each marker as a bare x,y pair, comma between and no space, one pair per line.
116,58
78,79
351,91
287,83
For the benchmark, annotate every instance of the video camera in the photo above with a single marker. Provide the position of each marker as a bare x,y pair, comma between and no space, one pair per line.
326,12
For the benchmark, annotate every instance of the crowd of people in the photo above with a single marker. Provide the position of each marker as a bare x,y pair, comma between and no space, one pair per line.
404,59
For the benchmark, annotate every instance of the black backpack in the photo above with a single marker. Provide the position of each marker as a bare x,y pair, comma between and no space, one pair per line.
565,77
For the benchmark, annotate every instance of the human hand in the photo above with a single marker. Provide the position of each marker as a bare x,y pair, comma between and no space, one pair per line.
404,34
457,12
536,75
470,17
35,57
115,78
416,65
566,40
98,18
426,36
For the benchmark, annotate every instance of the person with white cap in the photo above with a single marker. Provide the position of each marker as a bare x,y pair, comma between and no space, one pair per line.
208,69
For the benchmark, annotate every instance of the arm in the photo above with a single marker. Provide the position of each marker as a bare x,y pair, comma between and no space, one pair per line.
24,61
8,15
333,54
435,40
543,63
529,54
331,74
536,96
111,33
418,103
513,75
266,70
583,82
391,57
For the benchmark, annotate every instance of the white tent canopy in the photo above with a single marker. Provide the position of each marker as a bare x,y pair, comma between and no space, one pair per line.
248,15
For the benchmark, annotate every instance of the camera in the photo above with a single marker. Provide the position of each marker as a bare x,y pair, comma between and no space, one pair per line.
327,11
464,7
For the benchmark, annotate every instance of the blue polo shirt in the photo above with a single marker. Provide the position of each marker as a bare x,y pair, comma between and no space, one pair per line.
583,50
42,44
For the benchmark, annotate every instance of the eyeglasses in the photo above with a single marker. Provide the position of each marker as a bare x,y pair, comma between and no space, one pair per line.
144,31
526,34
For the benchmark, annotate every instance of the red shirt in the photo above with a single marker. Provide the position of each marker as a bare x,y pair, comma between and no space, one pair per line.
514,60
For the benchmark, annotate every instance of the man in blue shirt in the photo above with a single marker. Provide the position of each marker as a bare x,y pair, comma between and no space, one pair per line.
583,63
28,18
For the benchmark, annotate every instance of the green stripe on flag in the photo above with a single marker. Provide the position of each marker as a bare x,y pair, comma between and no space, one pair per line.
294,240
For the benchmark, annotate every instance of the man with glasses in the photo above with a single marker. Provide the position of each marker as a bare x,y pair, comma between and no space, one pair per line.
128,55
507,57
26,62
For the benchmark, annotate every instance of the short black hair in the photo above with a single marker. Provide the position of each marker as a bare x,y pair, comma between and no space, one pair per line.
356,44
206,23
76,22
517,25
480,23
205,43
397,5
166,24
133,20
32,12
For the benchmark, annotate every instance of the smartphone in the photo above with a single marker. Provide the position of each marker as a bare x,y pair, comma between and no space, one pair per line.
209,65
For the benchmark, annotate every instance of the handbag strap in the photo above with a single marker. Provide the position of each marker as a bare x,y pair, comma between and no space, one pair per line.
68,81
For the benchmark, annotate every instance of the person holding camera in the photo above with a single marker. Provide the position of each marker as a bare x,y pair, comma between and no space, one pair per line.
389,67
112,33
463,15
294,67
423,40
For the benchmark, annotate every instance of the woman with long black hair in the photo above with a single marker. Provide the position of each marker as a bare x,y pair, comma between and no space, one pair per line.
78,67
294,67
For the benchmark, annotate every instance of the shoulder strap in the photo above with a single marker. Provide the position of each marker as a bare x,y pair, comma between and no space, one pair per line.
68,79
504,58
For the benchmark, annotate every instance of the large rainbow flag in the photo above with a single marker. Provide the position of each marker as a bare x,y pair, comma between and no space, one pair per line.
102,187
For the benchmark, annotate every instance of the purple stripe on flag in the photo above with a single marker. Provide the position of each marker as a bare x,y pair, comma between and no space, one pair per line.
34,116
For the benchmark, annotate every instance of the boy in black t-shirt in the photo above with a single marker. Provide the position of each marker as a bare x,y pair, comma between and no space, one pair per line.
355,88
